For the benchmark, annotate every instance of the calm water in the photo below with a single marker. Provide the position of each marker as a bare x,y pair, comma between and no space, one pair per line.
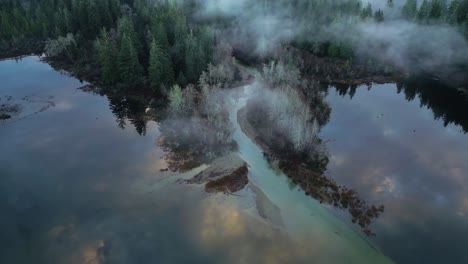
77,188
393,151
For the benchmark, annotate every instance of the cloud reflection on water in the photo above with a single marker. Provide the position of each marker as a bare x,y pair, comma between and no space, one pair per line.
394,152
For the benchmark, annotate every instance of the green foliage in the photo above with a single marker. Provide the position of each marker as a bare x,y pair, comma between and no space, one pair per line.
410,9
367,11
106,53
121,46
435,9
192,57
423,11
176,101
160,69
129,68
60,46
379,16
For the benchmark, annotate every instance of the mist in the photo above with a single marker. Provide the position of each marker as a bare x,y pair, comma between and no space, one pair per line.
263,26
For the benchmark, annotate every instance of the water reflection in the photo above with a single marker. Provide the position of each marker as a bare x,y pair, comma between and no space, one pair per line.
131,109
446,103
392,148
77,189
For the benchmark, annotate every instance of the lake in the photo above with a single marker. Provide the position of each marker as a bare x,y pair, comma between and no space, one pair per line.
394,152
82,181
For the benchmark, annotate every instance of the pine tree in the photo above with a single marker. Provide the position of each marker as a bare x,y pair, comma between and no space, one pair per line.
462,12
451,16
154,69
423,12
192,58
379,16
367,11
435,9
410,9
126,27
129,68
106,58
93,18
159,32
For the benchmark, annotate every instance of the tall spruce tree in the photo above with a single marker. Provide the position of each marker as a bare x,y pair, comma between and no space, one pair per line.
106,58
154,69
410,9
129,68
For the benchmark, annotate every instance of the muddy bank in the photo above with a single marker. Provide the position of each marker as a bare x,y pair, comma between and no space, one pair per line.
231,183
226,174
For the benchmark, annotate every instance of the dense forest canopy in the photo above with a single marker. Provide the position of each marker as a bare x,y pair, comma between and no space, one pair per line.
131,39
166,42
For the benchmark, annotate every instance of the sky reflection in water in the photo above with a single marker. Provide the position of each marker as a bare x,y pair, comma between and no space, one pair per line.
393,152
76,188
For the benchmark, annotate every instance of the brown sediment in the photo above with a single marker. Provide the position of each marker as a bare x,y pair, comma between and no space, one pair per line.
182,161
226,174
231,183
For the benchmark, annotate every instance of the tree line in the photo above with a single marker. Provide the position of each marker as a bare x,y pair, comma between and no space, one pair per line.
128,43
454,12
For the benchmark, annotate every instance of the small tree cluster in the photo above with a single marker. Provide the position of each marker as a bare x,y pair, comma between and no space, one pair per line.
59,46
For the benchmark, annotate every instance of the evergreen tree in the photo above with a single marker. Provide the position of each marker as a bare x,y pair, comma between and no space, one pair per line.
410,9
180,35
423,12
181,80
93,18
193,61
451,16
367,11
106,58
154,69
159,31
379,16
435,9
127,28
462,12
129,68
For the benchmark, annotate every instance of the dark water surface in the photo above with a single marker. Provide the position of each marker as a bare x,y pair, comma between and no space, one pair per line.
74,187
77,188
399,153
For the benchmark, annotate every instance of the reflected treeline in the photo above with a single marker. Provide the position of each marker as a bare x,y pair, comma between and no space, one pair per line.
127,108
447,103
